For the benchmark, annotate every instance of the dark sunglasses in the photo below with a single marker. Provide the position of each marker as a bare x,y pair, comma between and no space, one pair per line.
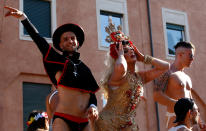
124,42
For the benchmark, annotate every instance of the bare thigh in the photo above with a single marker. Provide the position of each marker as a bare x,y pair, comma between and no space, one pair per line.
60,125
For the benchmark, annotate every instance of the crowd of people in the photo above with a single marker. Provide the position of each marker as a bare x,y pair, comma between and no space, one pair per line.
73,105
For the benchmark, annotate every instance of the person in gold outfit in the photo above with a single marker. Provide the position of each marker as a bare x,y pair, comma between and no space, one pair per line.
123,84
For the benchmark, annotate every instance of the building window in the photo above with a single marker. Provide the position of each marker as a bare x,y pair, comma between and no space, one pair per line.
34,98
40,13
175,34
104,17
117,10
176,29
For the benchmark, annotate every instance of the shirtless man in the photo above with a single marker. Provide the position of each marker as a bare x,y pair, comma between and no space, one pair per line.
175,84
74,81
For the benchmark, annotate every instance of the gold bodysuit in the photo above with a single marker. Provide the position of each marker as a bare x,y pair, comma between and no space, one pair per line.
120,111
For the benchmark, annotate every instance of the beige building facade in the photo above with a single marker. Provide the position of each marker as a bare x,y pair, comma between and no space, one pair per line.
147,22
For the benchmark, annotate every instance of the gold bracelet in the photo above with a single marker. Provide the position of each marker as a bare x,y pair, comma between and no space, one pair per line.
148,59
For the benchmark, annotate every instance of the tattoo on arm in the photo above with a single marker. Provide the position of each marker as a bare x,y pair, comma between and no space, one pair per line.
162,82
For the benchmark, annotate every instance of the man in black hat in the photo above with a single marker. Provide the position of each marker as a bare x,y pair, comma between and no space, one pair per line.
187,115
73,79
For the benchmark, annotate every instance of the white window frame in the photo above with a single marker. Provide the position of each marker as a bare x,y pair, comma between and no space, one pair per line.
114,6
53,22
174,17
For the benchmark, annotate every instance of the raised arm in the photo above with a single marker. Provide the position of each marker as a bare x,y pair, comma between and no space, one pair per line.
160,66
40,41
120,67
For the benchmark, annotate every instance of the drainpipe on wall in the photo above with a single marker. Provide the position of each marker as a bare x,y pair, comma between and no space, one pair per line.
152,54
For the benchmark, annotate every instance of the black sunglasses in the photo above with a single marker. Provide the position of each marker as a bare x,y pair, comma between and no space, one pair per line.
124,42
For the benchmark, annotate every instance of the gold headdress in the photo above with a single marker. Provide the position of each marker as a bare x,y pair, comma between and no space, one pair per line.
115,35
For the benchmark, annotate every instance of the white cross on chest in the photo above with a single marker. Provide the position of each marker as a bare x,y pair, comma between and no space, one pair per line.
75,73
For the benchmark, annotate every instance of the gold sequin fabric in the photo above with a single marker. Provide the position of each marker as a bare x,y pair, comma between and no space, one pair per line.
120,111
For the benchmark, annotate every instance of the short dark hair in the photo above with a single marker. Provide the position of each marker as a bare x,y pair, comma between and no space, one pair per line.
184,44
181,108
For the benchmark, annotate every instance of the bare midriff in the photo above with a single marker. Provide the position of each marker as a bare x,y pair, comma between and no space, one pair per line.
72,102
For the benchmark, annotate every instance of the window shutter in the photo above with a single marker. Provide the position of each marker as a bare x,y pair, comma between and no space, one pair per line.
34,98
39,13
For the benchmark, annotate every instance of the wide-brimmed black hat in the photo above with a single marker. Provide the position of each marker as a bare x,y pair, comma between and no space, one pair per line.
76,29
181,108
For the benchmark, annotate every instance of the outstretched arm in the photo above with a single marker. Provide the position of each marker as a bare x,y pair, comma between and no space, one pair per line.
15,13
40,41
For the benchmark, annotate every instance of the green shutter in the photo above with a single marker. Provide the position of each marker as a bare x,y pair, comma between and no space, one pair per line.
34,96
175,27
39,13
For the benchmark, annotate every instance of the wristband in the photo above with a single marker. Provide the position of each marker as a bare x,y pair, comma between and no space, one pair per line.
148,59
